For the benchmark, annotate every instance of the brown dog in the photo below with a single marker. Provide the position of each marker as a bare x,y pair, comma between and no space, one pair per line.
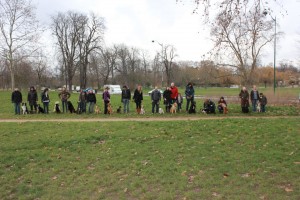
97,110
225,109
173,109
109,109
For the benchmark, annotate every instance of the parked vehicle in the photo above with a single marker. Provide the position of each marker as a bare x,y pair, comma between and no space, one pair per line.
114,89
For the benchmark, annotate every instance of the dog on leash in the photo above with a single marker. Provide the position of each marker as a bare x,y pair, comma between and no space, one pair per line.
109,109
56,107
40,109
97,110
119,109
71,107
142,111
161,111
24,109
173,108
258,107
225,109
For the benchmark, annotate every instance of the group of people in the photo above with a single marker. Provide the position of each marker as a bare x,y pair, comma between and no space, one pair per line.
87,100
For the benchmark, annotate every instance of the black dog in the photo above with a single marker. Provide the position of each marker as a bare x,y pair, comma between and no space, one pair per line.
192,108
40,109
119,109
71,107
56,107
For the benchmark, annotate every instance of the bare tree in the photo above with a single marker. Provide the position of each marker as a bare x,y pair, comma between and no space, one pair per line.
19,32
168,56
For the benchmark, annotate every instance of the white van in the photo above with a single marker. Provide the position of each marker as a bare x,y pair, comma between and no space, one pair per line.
114,89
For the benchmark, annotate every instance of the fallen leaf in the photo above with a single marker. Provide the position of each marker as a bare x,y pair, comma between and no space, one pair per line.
246,175
288,189
215,194
225,175
54,177
191,178
125,190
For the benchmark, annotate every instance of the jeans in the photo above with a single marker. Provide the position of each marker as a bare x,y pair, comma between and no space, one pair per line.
254,104
34,105
188,101
64,106
155,104
126,105
46,107
82,107
91,107
17,108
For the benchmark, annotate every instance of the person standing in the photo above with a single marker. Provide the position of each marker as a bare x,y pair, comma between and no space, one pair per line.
138,98
32,98
174,93
189,95
126,96
82,101
46,100
244,96
263,102
254,94
155,99
106,99
64,95
91,99
16,99
167,99
179,102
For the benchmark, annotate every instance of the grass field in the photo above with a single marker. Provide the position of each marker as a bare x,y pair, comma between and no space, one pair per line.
207,159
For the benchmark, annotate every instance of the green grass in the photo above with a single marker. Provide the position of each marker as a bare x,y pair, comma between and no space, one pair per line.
7,110
208,159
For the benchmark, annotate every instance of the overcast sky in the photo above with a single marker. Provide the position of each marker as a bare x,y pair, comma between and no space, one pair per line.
137,22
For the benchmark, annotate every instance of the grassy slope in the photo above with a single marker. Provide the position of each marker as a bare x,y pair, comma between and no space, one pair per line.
228,159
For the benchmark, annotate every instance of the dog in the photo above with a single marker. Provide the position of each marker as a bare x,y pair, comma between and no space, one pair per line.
119,109
97,110
161,111
258,107
109,109
56,107
204,111
40,109
71,107
192,108
24,109
173,108
142,111
225,109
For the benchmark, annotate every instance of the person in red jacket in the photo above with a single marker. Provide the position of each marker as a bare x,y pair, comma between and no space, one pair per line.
174,94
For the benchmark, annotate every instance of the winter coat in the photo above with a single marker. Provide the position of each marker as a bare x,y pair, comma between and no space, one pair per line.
126,94
82,96
91,97
138,96
174,92
263,100
64,95
189,92
45,97
106,96
155,95
252,95
167,96
16,97
244,95
32,97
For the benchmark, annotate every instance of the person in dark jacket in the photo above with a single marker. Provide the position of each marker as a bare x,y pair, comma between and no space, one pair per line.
125,99
167,98
16,99
91,99
222,104
32,99
244,96
138,98
263,102
82,101
64,95
155,99
189,95
106,99
46,100
209,106
254,96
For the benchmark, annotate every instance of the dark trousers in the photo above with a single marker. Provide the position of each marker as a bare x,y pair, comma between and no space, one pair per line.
138,104
155,105
33,106
105,106
188,101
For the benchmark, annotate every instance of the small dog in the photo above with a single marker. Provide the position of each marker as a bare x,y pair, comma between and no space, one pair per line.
119,109
56,107
71,107
24,109
258,107
225,109
109,109
161,111
142,111
40,109
203,111
173,109
192,108
97,110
